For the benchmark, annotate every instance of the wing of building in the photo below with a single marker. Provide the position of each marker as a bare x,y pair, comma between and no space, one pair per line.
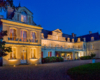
30,42
23,36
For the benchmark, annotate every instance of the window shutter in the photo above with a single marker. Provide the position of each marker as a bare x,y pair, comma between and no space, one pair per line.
41,54
50,54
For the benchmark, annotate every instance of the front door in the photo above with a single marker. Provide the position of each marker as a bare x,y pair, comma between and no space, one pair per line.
23,56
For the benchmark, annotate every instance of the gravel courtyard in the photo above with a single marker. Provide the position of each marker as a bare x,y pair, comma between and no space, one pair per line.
49,71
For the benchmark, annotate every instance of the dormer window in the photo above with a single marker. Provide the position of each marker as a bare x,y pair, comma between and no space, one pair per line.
72,40
23,17
78,40
84,39
92,38
68,39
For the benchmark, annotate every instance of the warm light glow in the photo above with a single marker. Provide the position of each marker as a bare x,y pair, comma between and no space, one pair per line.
20,24
12,59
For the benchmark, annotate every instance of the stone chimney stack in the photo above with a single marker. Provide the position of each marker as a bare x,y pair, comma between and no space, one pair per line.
1,16
90,32
73,35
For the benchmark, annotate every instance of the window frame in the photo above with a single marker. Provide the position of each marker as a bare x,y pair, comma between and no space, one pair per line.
32,37
15,33
26,35
12,54
34,53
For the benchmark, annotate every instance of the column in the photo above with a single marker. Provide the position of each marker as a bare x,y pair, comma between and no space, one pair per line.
73,55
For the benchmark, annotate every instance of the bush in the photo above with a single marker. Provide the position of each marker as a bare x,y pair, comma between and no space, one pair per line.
52,59
85,57
93,55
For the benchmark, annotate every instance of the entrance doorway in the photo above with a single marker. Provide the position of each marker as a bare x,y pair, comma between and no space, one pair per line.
69,56
23,56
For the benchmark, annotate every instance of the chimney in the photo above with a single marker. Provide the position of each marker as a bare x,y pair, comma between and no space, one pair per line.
73,35
90,32
1,16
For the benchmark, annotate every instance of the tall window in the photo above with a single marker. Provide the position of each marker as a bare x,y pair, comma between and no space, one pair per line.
49,54
33,53
92,46
23,17
13,54
23,35
33,37
12,34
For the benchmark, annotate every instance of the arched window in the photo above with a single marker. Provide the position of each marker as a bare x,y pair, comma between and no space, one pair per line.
23,35
13,53
33,37
33,53
12,34
23,16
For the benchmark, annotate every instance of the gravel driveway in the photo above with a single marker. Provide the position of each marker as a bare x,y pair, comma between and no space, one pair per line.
50,71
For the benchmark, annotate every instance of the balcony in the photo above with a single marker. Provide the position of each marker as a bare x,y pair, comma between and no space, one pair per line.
62,48
13,39
22,40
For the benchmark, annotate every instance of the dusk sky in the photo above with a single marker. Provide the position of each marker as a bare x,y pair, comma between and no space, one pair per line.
72,16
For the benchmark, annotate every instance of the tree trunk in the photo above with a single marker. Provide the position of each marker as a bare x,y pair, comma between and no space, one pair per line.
1,61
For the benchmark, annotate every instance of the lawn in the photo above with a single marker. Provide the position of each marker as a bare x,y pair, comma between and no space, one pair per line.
85,72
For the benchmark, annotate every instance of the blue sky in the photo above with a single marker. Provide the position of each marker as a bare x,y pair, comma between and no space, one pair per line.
72,16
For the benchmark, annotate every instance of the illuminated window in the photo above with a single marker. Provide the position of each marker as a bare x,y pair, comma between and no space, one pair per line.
79,46
92,38
68,39
84,39
23,17
92,46
33,37
13,54
23,35
72,40
12,34
49,54
68,46
78,39
62,54
33,53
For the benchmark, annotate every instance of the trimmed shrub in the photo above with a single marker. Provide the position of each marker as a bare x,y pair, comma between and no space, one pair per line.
88,57
93,55
85,57
52,59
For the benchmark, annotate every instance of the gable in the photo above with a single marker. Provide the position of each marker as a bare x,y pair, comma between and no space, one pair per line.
58,31
21,9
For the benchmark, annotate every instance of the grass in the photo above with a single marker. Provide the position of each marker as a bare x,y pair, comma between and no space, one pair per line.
85,72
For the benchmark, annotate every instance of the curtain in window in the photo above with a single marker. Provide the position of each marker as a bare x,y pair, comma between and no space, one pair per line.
12,34
13,54
23,16
33,36
23,35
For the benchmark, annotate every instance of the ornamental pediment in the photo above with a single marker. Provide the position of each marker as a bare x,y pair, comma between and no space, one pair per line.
58,31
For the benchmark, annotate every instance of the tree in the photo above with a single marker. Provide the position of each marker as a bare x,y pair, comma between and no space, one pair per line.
3,48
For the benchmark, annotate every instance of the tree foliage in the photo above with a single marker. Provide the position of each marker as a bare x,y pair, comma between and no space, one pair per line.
3,48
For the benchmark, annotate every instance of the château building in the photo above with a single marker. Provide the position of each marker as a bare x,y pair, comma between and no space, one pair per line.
30,42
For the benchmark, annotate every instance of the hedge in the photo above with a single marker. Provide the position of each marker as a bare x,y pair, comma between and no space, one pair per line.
88,57
52,59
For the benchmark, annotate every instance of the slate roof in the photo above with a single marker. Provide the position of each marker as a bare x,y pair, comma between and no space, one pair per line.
46,32
88,37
